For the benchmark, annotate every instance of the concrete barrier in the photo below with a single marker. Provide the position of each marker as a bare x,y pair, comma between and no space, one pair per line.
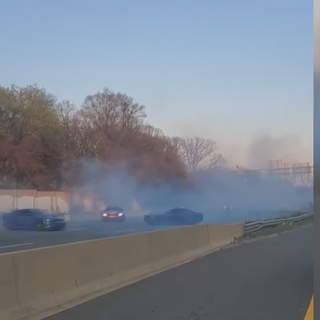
220,235
37,283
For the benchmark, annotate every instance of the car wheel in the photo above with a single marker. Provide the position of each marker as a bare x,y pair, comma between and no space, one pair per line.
190,222
6,225
39,227
149,222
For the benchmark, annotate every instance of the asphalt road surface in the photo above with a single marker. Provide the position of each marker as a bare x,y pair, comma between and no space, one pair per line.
87,229
270,278
16,240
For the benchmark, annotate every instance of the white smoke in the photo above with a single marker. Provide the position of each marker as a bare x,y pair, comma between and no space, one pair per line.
266,147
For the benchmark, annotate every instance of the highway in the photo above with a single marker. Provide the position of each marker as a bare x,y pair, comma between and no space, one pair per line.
17,240
81,230
86,229
265,279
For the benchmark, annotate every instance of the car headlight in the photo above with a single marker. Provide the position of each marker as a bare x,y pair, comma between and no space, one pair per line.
120,214
104,214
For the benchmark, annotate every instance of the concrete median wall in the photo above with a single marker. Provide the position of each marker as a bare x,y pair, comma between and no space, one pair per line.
56,201
37,283
220,235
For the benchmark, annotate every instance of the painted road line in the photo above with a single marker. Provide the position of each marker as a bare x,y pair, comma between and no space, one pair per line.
309,314
121,231
17,245
79,229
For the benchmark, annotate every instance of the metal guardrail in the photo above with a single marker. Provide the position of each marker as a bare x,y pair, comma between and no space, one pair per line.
250,227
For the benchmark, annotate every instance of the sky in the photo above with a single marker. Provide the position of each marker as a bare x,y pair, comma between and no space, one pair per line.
317,79
238,72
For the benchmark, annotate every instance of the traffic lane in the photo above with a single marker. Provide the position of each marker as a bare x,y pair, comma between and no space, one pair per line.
271,278
17,240
14,240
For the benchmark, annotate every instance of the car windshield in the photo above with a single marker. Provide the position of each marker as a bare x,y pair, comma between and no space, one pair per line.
113,208
175,211
39,213
27,211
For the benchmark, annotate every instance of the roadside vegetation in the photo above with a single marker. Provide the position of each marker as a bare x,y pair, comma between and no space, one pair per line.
45,143
280,228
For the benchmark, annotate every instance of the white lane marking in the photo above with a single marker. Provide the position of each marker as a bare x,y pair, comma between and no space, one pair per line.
121,231
64,244
79,229
17,245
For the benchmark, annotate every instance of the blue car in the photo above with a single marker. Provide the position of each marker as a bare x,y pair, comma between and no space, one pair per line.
32,219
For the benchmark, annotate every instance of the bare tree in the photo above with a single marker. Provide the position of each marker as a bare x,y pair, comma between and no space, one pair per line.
43,142
109,117
29,132
197,153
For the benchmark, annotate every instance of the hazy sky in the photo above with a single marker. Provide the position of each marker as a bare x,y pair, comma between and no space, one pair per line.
228,70
317,78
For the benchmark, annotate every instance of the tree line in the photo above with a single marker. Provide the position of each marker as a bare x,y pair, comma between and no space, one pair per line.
44,143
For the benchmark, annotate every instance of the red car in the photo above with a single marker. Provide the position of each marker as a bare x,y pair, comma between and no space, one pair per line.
113,213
